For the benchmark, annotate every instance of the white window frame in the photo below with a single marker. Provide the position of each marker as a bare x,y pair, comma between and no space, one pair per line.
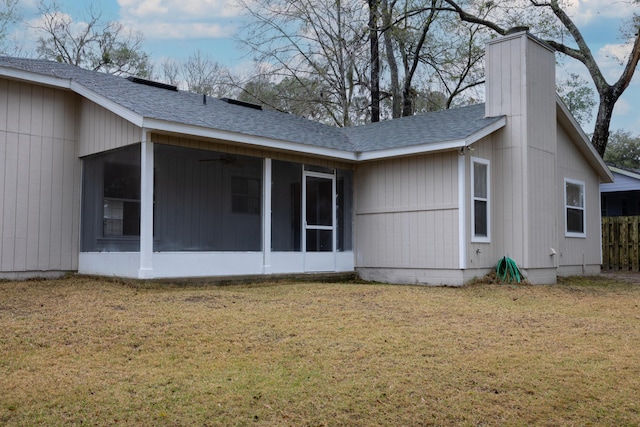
568,233
475,238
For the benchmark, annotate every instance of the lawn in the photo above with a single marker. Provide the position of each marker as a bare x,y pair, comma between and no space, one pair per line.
84,351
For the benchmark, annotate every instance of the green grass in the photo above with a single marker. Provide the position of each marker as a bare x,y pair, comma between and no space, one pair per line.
81,351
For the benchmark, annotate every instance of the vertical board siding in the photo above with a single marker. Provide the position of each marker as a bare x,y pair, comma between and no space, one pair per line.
101,130
621,243
573,165
406,212
39,179
521,85
7,250
543,234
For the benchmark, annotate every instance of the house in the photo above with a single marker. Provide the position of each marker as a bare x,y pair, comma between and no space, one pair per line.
126,177
621,197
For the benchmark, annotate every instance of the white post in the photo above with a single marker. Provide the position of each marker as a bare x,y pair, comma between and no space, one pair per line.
146,208
266,216
462,210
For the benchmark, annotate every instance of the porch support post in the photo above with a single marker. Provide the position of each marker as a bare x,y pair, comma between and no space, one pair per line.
146,208
266,216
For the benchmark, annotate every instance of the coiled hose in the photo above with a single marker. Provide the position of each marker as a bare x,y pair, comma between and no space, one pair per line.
507,270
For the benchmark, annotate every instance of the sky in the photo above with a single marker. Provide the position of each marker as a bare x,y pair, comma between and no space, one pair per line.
177,28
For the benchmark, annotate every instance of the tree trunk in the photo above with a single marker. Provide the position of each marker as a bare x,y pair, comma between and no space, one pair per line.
396,94
375,61
603,121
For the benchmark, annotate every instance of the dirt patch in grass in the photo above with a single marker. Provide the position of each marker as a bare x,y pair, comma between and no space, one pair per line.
83,351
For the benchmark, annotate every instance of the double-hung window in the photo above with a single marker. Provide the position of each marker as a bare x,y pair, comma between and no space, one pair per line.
480,203
574,208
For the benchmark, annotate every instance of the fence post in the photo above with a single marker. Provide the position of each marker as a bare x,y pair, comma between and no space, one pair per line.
633,241
606,245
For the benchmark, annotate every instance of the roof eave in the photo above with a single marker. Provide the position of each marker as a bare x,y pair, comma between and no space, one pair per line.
37,78
257,141
433,147
624,172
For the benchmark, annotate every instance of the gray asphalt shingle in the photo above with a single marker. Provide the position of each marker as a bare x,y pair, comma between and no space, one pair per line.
430,128
188,108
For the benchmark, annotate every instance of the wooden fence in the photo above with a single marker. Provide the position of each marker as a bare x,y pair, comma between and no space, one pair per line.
621,243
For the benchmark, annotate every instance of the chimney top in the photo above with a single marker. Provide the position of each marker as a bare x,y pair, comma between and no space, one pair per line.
518,29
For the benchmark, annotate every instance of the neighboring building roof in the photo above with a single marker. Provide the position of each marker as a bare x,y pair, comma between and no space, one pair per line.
623,181
184,112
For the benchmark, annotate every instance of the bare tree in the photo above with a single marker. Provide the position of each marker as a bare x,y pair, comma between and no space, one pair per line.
95,44
550,14
202,74
374,50
457,61
8,17
425,45
199,73
170,71
311,40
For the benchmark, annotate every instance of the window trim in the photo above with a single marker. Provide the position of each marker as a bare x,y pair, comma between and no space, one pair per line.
583,208
475,238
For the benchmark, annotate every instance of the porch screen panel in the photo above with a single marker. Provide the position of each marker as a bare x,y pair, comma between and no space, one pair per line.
344,188
206,201
286,206
111,201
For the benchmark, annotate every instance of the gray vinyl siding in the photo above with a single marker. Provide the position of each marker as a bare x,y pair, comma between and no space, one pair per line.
575,251
407,212
39,179
520,84
101,130
541,158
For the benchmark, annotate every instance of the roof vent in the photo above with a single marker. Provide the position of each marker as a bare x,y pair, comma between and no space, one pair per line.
152,83
241,103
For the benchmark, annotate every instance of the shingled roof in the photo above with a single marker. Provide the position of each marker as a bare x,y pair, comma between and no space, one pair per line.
431,128
187,108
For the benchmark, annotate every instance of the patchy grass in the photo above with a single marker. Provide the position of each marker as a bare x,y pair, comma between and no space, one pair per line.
91,352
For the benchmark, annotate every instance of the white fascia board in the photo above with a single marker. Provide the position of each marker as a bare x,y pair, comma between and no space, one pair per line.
269,143
488,130
108,104
413,149
35,78
433,147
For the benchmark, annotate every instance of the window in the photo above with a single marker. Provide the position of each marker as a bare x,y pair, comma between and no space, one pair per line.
121,205
480,208
574,208
245,195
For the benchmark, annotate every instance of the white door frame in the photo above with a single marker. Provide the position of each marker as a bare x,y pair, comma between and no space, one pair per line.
319,261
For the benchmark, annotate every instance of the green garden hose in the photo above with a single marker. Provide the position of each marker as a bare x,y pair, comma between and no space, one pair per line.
508,270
